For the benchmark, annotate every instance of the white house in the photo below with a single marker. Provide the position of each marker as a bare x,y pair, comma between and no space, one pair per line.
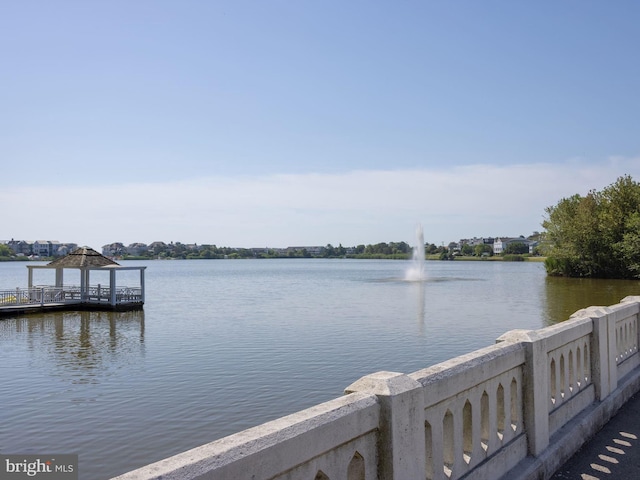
500,243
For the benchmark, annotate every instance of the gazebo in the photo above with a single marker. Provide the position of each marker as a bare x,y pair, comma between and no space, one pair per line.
87,260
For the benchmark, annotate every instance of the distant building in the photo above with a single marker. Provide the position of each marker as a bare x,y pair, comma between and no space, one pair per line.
477,241
315,250
20,247
40,248
500,243
69,247
157,247
46,248
115,249
137,249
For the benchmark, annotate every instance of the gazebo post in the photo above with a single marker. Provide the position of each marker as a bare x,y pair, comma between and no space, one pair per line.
83,284
142,284
59,277
112,286
30,282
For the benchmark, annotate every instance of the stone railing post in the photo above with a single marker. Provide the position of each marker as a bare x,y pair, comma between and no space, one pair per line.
604,373
535,387
401,449
636,300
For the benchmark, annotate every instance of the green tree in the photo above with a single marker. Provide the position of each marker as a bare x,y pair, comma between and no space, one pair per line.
478,250
430,248
329,251
517,248
446,255
5,250
629,248
466,249
596,235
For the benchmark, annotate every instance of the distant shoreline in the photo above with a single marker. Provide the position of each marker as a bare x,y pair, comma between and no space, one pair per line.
458,258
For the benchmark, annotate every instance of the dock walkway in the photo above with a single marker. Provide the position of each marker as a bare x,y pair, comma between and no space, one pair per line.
614,452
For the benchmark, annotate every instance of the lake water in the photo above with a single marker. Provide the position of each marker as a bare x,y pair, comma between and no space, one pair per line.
223,345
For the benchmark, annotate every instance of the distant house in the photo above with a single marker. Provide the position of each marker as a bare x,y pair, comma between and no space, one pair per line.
113,249
65,249
26,247
500,243
314,250
477,241
137,249
42,248
157,247
45,248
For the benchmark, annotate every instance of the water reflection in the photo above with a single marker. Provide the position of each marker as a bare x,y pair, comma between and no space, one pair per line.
80,345
291,333
419,294
565,296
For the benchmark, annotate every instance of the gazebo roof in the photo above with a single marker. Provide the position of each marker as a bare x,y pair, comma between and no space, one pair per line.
83,257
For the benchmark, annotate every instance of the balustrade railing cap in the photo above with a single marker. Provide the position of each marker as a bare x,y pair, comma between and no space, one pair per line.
518,335
593,311
383,383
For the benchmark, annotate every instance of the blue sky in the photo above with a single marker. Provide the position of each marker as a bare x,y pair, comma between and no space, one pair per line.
276,123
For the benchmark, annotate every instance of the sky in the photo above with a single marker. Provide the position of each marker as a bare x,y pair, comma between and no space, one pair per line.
297,123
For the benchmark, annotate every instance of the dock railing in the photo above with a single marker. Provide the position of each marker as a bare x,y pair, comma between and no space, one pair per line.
514,410
68,294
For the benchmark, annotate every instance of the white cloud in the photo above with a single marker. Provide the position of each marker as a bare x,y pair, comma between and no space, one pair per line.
305,209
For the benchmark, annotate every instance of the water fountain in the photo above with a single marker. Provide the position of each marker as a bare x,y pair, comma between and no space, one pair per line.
415,272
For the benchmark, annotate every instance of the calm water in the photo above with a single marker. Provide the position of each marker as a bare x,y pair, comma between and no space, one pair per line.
225,345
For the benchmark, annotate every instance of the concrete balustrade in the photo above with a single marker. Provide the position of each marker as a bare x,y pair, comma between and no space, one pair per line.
473,412
514,410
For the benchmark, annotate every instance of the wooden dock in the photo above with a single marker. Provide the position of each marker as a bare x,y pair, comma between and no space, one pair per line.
43,298
47,298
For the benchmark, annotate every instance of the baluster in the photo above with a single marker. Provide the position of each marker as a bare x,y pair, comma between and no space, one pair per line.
428,443
459,464
478,452
494,442
563,378
553,386
507,434
516,405
435,419
586,364
572,374
448,444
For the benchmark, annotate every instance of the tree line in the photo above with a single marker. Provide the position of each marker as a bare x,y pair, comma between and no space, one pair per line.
596,235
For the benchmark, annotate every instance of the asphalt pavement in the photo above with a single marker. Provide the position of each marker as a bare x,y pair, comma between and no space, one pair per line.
613,454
